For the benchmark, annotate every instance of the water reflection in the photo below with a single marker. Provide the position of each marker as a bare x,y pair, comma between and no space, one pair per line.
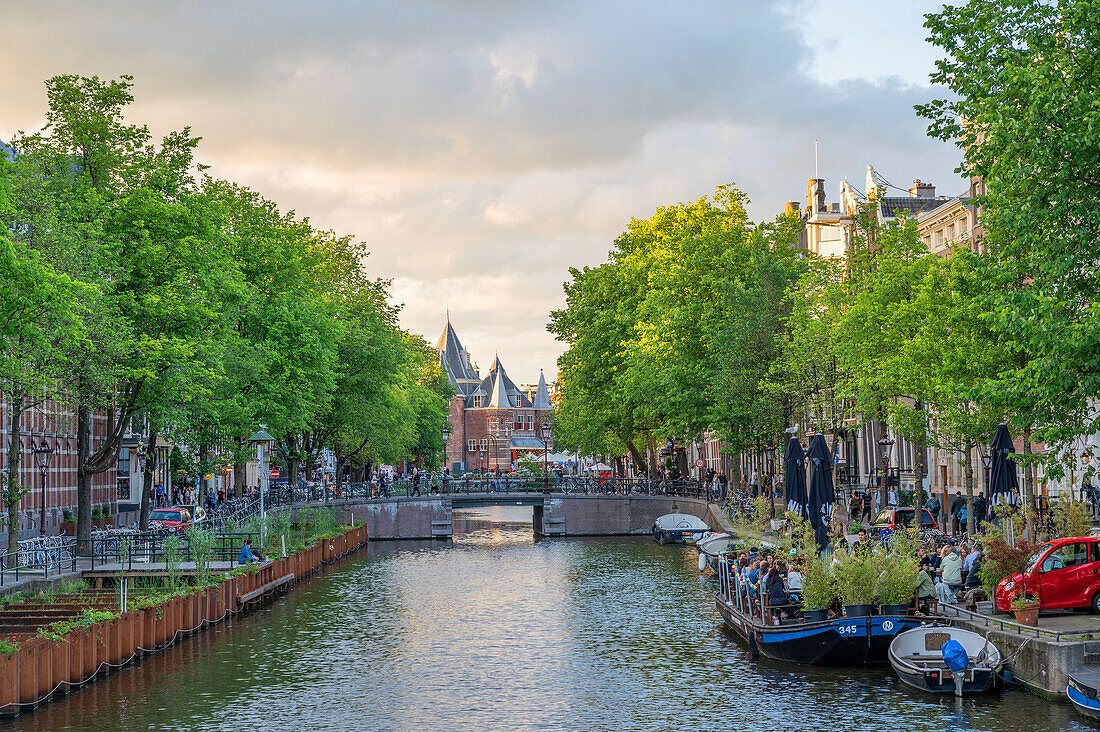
497,631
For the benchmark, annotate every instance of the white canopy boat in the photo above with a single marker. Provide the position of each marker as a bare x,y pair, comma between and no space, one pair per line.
679,528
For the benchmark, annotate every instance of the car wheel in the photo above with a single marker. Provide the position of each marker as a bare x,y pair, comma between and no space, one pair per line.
1096,603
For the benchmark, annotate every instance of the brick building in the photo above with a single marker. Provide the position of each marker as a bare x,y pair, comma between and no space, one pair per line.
55,423
493,422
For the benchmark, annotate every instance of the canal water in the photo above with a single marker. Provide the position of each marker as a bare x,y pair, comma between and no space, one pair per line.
497,631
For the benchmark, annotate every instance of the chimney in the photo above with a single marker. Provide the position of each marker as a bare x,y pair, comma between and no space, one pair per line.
834,208
815,196
791,207
922,190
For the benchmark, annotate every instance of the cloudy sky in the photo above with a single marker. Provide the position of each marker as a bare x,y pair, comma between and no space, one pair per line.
482,147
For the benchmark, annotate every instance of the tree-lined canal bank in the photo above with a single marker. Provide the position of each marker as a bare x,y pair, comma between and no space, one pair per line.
498,631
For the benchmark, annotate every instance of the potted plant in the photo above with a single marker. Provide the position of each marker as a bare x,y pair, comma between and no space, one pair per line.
97,517
818,591
1026,609
68,523
856,576
897,583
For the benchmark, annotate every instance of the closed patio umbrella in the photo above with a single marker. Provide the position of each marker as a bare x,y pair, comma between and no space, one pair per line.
794,477
1004,486
821,495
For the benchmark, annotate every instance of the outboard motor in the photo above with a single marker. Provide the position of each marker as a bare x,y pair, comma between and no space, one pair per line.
956,659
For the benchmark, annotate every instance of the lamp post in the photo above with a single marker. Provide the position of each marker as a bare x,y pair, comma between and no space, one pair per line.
42,455
546,430
446,432
884,445
263,442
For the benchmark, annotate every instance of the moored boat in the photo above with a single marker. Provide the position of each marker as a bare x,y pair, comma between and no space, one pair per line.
679,528
711,547
843,641
1083,691
919,659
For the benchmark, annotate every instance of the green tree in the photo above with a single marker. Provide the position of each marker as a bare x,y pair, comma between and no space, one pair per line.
1023,76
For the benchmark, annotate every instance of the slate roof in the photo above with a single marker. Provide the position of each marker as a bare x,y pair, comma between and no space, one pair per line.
502,391
526,442
893,206
455,360
542,394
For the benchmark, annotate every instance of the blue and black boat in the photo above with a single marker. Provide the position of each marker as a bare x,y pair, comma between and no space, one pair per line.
1083,691
845,641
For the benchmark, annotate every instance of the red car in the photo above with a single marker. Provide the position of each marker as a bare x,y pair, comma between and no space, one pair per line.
1064,573
172,519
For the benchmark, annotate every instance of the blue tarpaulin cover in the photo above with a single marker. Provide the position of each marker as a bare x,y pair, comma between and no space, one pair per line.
954,655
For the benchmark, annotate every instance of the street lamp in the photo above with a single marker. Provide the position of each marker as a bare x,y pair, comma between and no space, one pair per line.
42,455
446,432
769,473
885,444
547,431
264,444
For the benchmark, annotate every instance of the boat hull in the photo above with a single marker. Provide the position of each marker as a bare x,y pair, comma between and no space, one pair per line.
838,642
1083,696
977,681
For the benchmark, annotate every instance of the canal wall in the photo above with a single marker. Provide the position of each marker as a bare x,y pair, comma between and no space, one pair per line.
431,517
1042,664
44,665
598,515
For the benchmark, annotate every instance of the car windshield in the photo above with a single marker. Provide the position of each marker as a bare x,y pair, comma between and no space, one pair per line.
884,517
1034,558
162,515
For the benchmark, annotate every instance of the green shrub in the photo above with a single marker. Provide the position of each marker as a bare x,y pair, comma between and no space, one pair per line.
856,574
818,586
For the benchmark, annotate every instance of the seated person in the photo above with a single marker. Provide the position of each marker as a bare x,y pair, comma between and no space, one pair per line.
247,556
926,588
973,588
777,596
794,584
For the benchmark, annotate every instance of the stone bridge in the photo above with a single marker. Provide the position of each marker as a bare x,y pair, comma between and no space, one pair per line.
554,514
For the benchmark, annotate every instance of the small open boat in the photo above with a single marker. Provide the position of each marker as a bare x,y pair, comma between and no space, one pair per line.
711,547
679,528
918,659
1084,691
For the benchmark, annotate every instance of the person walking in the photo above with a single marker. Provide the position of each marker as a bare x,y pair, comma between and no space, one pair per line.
754,483
958,502
933,506
981,508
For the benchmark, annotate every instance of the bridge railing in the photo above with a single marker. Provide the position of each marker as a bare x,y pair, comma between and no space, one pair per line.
284,495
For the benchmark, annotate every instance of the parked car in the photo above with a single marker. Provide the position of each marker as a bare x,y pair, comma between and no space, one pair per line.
1064,573
170,519
890,519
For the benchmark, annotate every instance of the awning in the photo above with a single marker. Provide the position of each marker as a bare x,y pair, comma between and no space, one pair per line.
525,442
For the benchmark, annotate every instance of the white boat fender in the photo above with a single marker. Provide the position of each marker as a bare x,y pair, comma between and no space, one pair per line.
702,561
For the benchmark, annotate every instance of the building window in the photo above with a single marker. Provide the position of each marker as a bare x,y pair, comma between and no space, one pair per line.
471,445
122,471
519,422
530,422
484,444
477,400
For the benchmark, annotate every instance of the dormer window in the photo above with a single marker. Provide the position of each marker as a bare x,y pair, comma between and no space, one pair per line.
477,400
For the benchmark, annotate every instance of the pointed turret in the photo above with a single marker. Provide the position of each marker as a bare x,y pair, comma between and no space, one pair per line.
542,394
498,398
455,359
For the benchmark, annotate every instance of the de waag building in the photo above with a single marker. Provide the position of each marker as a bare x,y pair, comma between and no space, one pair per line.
493,422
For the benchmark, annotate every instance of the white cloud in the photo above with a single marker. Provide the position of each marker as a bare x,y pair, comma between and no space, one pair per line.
480,148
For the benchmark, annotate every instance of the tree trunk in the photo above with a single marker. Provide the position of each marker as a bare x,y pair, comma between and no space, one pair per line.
922,468
968,472
882,431
83,477
147,479
14,491
639,461
239,470
1029,488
